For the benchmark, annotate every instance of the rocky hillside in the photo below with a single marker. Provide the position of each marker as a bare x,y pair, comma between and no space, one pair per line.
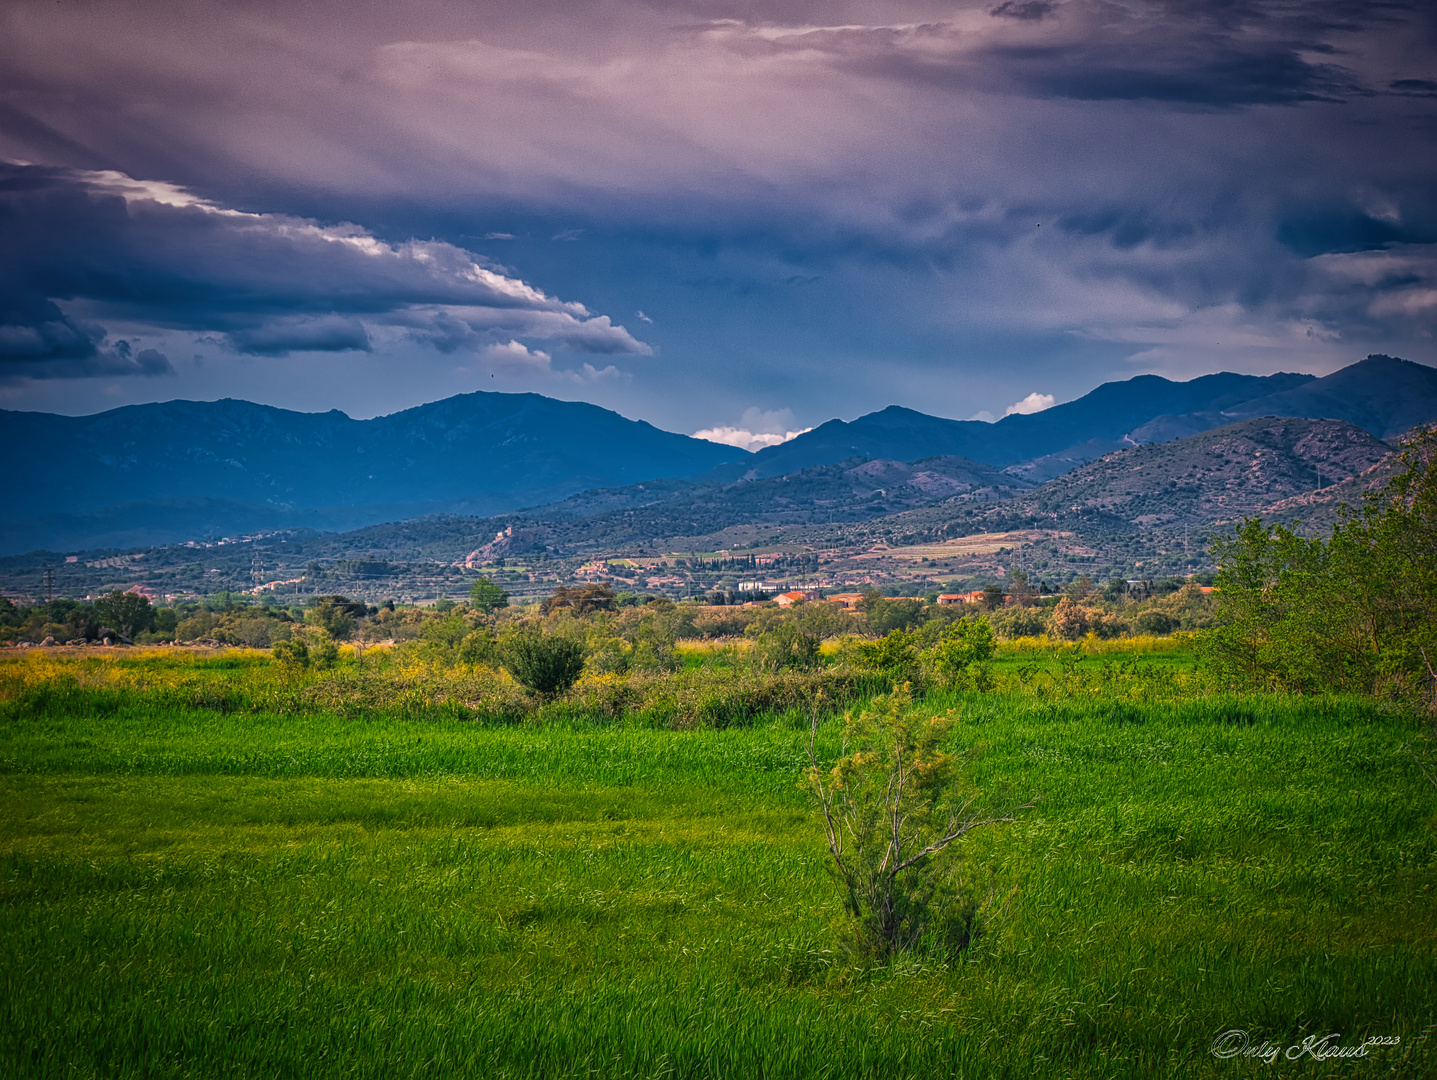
852,491
1150,509
1217,476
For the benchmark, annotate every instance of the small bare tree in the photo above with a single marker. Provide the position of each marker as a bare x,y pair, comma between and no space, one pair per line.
893,804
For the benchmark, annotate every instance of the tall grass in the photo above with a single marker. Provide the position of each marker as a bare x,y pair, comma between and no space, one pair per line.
397,685
188,890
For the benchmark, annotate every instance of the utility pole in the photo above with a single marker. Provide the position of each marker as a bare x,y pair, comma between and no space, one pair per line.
256,571
49,584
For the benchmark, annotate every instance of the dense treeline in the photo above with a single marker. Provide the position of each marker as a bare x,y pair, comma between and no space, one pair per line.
1112,610
224,619
1354,612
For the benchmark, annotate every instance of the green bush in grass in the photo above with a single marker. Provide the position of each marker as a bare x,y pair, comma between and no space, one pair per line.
894,806
544,663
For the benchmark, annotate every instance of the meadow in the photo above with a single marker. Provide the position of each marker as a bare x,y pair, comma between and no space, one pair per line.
209,866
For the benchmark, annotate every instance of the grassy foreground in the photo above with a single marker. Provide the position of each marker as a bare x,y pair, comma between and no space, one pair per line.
190,891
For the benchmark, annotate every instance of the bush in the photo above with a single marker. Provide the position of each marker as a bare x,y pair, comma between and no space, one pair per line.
895,655
324,656
1105,625
1070,621
293,654
544,663
892,807
885,616
1157,623
1356,612
786,646
478,647
1017,622
335,615
252,633
965,642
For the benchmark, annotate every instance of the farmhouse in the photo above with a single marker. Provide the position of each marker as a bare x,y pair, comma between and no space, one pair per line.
961,598
797,596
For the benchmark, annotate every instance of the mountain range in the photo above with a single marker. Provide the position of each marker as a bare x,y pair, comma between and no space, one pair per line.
163,473
180,470
1191,484
1383,395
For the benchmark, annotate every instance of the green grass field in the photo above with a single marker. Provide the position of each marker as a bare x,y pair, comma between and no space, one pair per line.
191,891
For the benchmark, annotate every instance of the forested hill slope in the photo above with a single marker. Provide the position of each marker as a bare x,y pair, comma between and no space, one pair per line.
846,492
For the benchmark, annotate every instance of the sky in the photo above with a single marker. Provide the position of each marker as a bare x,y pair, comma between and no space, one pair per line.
734,218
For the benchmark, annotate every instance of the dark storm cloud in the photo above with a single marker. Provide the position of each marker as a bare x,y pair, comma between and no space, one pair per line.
1032,9
1414,87
1147,179
39,341
153,253
281,336
1093,50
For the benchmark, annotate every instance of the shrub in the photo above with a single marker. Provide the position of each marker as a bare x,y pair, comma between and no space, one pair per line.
442,637
1069,620
335,615
1355,612
543,663
893,805
324,656
886,615
786,646
478,647
252,633
1158,623
1018,622
200,625
965,642
895,655
608,654
1105,626
293,654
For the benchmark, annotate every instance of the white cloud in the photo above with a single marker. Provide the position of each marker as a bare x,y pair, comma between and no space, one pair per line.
983,415
589,373
1033,403
756,429
260,283
514,359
